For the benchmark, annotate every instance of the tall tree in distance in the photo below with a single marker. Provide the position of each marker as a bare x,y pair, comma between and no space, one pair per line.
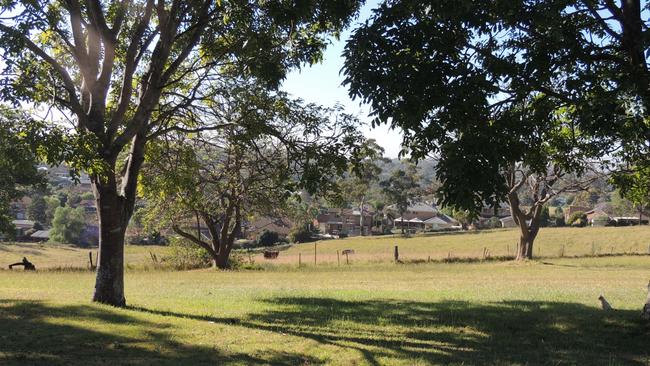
126,72
400,189
363,172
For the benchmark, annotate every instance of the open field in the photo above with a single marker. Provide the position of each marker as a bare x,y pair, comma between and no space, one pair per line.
46,255
551,242
537,313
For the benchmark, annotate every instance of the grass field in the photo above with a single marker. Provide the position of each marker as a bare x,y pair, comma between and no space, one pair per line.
551,242
497,313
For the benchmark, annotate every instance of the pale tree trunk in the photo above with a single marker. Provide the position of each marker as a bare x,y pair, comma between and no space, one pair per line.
527,231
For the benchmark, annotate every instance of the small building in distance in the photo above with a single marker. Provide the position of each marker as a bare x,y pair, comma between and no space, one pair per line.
344,221
254,228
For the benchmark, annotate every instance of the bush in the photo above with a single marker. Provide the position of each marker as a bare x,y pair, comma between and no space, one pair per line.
300,234
559,221
68,225
184,254
578,219
267,238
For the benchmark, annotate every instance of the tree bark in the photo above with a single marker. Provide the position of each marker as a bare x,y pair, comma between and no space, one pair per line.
112,216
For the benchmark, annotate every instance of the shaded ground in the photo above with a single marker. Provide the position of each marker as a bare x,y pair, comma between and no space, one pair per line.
382,331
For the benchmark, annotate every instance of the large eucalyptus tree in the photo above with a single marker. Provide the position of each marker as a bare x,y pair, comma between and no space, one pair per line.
127,71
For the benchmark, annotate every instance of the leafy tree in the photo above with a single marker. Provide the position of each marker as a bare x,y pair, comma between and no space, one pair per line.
502,93
52,203
221,178
68,225
267,238
401,188
635,187
20,150
577,218
127,72
450,63
364,171
37,209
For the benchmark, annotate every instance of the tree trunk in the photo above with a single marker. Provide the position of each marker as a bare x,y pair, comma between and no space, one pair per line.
112,216
525,248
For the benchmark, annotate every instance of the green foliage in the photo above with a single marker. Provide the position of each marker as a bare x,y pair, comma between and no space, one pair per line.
578,219
300,234
68,225
634,186
52,203
37,209
401,187
486,84
267,238
18,159
185,255
558,217
87,196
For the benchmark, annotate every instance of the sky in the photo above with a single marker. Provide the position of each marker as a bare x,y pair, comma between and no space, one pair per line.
321,84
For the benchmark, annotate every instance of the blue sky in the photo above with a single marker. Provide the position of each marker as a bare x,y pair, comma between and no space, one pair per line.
321,84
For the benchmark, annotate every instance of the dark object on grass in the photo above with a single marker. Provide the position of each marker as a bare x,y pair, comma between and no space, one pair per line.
646,308
606,306
347,251
271,254
25,263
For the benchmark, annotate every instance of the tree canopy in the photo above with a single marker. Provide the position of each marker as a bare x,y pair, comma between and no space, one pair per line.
479,83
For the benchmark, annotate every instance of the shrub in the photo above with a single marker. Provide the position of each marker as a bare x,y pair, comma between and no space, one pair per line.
184,254
578,219
68,225
267,238
300,234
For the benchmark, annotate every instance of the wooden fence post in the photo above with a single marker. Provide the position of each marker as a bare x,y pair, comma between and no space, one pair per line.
299,260
338,258
315,253
90,258
396,254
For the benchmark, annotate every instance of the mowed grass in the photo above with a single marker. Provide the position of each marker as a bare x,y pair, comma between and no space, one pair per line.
551,243
536,313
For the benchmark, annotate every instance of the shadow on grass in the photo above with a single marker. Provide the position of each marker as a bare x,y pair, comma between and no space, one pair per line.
35,333
505,333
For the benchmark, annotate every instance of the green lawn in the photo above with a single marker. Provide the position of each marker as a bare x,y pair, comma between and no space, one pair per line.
537,313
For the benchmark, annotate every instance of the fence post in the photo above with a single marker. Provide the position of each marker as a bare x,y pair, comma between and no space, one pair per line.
396,254
299,260
347,260
90,258
338,258
315,253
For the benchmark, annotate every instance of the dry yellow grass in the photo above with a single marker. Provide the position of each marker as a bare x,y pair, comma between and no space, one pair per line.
551,242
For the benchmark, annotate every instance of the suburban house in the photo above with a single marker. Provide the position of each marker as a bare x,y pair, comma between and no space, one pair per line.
22,226
344,221
254,228
421,216
573,209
